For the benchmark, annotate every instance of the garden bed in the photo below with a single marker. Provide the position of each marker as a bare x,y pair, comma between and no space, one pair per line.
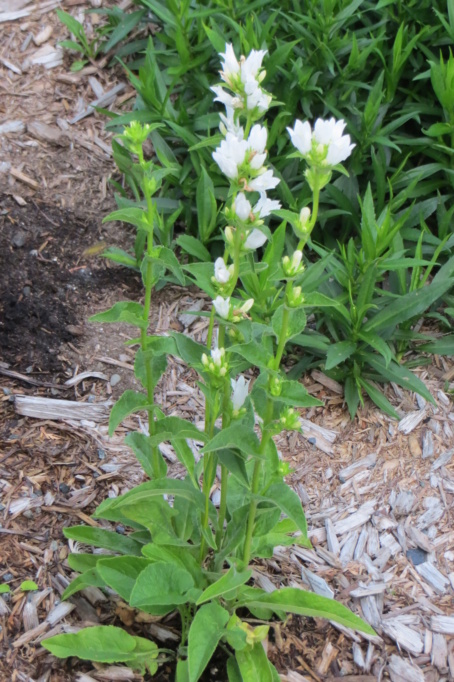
377,494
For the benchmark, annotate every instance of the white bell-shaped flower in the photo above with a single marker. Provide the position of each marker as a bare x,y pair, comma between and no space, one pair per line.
240,391
242,206
222,306
255,239
222,273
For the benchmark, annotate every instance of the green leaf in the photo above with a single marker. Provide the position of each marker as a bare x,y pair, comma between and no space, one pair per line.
339,352
28,586
194,247
169,428
253,352
133,215
294,393
148,364
98,537
166,257
302,603
236,436
124,311
206,206
206,630
149,490
105,644
378,398
162,586
121,573
129,402
83,562
408,306
4,589
140,445
379,344
120,256
400,374
226,583
288,501
70,22
89,578
253,664
296,321
442,346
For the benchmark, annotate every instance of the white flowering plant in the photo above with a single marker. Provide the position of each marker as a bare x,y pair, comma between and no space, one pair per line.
193,540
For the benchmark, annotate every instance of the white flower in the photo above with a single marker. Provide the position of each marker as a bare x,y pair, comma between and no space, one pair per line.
222,306
305,216
240,388
228,124
258,99
326,145
264,182
224,97
230,155
292,266
230,66
217,355
265,206
251,66
222,273
301,136
255,239
242,206
257,138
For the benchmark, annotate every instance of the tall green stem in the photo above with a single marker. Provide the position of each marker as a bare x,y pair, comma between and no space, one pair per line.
266,436
314,215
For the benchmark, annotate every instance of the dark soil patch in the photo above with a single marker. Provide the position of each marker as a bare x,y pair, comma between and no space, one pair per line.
47,279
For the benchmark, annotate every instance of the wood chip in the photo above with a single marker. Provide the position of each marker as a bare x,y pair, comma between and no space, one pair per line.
105,100
43,36
333,385
439,653
12,67
360,465
406,637
443,460
411,421
46,133
442,624
432,575
355,520
401,670
24,178
48,408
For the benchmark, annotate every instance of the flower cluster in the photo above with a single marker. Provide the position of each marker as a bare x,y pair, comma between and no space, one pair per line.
325,146
243,78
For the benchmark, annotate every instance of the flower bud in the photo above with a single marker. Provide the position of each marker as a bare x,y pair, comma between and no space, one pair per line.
216,364
276,386
229,235
289,420
295,297
293,266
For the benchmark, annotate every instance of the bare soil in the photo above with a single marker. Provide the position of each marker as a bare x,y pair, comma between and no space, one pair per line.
53,473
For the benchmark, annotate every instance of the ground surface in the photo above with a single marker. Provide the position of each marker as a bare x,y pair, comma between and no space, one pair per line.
381,531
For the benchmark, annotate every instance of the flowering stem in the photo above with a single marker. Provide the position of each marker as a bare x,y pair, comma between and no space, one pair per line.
284,329
155,457
266,435
210,328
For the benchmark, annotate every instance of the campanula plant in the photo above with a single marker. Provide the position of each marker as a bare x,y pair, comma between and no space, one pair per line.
187,553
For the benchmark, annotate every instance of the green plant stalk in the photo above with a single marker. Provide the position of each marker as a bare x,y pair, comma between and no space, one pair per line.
143,337
266,435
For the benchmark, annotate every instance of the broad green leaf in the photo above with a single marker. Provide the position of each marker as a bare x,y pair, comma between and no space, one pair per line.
121,256
132,215
302,603
226,583
294,393
140,445
28,586
253,664
83,562
296,321
129,402
190,351
121,573
124,311
90,578
161,585
101,643
339,352
194,248
237,436
253,352
151,489
105,644
98,537
170,428
206,630
379,344
5,589
166,257
288,501
149,365
235,464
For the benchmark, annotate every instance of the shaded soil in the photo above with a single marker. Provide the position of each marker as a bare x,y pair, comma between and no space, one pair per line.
47,280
